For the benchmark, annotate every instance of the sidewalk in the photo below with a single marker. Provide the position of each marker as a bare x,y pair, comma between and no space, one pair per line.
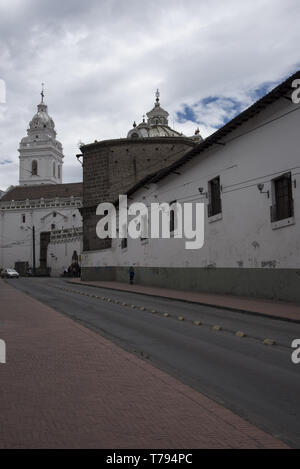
261,307
64,386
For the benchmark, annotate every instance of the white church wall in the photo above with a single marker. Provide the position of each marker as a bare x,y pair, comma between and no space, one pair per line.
44,168
59,254
16,235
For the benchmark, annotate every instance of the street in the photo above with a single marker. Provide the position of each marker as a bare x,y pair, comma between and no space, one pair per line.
256,381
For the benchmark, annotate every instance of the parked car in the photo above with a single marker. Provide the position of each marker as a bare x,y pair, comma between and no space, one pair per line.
9,273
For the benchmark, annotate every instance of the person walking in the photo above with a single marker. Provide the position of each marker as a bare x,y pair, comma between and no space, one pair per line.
131,275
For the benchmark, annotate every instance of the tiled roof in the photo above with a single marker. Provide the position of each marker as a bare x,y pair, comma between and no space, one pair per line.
47,191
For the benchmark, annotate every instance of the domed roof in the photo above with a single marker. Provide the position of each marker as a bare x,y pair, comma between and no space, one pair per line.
41,129
156,125
157,115
41,119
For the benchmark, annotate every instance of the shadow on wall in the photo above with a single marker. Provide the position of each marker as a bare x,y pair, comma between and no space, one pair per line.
276,284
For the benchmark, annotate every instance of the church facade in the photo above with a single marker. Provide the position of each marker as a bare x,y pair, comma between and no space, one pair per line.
40,222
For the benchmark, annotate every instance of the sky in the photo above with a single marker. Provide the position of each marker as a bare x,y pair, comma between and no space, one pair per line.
102,61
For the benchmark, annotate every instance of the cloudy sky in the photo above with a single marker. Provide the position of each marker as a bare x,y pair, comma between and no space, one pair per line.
102,60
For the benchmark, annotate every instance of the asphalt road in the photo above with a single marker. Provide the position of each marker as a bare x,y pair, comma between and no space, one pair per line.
257,381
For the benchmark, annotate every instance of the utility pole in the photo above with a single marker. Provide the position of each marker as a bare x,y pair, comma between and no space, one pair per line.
33,250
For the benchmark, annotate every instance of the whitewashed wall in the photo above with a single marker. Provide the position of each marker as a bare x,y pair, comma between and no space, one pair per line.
59,254
244,236
16,236
44,168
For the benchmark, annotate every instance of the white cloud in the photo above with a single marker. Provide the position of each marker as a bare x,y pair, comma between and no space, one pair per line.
103,60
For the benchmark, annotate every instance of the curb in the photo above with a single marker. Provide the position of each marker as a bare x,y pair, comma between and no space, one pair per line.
203,303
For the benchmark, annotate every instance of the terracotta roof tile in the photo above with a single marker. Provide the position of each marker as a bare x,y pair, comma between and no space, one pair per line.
47,191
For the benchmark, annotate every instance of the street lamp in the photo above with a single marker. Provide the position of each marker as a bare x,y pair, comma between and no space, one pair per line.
260,188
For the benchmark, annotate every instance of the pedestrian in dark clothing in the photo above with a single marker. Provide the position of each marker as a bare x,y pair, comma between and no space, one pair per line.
131,275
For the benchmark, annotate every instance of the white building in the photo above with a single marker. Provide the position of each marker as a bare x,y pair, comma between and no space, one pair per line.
39,219
247,175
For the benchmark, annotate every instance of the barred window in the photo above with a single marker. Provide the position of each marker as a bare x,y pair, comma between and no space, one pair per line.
282,198
214,190
34,168
144,227
172,217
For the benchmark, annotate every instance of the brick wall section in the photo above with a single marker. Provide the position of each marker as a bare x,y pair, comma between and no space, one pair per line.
111,167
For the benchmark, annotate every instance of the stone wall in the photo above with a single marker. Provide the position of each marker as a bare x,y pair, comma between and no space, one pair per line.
111,167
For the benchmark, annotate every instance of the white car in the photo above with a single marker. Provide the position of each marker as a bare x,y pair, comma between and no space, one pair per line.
9,273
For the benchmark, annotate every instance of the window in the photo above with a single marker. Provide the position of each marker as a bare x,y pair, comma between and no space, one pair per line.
283,206
23,218
214,189
54,170
172,217
34,168
124,243
58,171
144,227
52,226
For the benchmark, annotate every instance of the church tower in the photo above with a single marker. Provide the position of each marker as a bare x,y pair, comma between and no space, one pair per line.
41,155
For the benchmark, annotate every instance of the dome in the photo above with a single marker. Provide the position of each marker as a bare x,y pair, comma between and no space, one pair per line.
163,131
145,130
157,125
41,129
157,115
41,119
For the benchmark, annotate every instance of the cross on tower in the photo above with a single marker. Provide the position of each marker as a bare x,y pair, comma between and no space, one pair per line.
157,96
42,93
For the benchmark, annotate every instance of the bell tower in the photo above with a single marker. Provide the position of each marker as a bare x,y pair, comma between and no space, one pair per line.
41,155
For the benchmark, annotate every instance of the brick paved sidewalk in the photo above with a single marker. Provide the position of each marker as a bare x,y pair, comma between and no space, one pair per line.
64,386
269,308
